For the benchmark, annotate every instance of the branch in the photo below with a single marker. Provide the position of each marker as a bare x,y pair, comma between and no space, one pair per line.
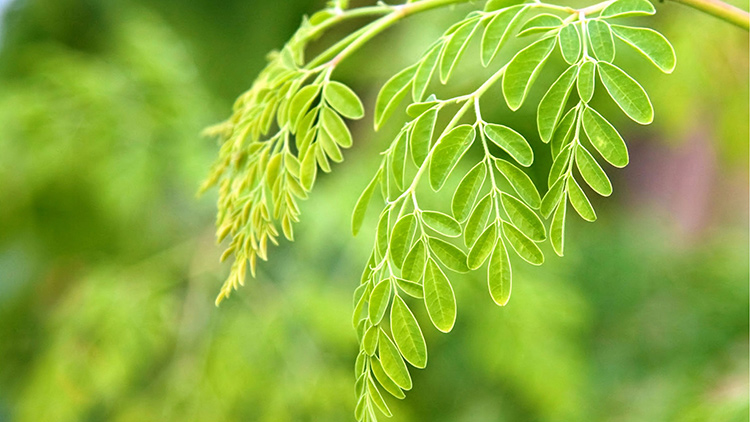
721,10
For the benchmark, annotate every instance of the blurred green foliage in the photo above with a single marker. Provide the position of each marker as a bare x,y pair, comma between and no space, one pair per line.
108,267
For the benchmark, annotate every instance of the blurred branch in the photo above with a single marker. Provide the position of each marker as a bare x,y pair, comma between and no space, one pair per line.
721,10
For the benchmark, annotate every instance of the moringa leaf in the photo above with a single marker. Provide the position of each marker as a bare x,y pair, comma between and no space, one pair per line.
301,103
650,43
570,43
425,71
448,151
557,227
363,202
560,165
380,297
370,340
499,274
448,254
455,46
579,201
523,218
392,93
411,288
511,142
524,247
398,159
498,31
385,381
393,364
552,104
520,182
308,169
627,93
565,132
439,298
592,173
407,335
523,69
601,40
413,268
477,220
482,247
552,197
343,100
586,80
421,136
441,223
336,128
627,8
467,191
605,138
401,238
542,22
382,233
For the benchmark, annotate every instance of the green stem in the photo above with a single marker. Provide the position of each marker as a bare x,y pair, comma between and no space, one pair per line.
721,10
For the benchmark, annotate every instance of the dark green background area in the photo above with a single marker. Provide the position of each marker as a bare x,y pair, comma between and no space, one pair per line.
109,268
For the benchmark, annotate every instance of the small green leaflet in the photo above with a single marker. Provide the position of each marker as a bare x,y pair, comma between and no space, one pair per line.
398,159
467,191
524,247
523,218
499,274
449,255
601,40
520,182
560,165
552,197
511,142
360,208
564,133
370,340
343,100
557,227
570,43
498,31
384,380
379,300
382,234
377,398
301,103
477,220
482,247
410,288
308,169
413,268
421,136
552,104
393,364
448,151
336,128
392,93
441,223
439,298
401,238
650,43
425,71
627,93
592,173
542,22
586,80
455,47
628,8
523,70
579,201
407,334
605,138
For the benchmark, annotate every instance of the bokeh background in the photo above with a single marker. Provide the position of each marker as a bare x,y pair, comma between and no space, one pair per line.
109,268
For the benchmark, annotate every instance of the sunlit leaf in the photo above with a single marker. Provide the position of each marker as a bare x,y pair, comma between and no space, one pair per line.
439,298
523,218
627,93
482,247
343,100
627,8
499,274
363,202
586,80
407,335
477,220
401,236
523,70
498,31
520,182
448,151
542,22
650,43
605,138
467,191
441,223
455,47
552,104
579,201
601,40
448,254
392,93
392,362
524,247
413,268
421,136
592,172
511,142
379,300
570,43
557,227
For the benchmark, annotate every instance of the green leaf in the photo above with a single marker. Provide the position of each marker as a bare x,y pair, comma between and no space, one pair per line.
414,263
477,220
627,8
330,147
520,182
411,288
439,298
441,223
482,247
358,216
511,142
467,191
560,165
586,80
498,31
523,218
455,47
343,100
301,103
379,300
523,70
421,136
393,364
592,173
448,151
499,278
627,93
552,197
557,228
564,133
392,93
398,159
552,104
493,5
601,40
449,255
308,169
425,71
401,237
370,340
570,43
335,127
359,309
524,247
605,138
542,22
407,334
579,201
650,43
385,381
